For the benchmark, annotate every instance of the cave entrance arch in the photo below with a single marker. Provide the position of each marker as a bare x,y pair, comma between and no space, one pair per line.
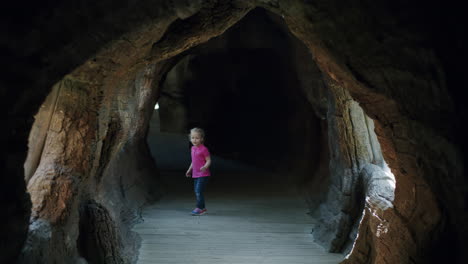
344,75
117,160
358,169
243,88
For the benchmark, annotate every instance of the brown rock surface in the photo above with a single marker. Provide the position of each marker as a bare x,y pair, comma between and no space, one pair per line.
385,59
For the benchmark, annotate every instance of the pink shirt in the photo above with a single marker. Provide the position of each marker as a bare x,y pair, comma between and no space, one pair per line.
199,155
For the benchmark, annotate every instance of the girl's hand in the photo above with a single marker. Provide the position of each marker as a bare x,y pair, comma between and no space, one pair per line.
187,174
203,168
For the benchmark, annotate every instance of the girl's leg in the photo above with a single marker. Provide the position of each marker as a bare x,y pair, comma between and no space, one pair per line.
200,184
195,188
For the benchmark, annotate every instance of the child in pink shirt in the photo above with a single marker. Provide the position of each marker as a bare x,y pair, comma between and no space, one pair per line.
199,168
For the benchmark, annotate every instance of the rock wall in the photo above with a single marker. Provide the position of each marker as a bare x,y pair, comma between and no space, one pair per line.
354,149
383,96
113,175
50,43
64,163
95,171
391,56
173,99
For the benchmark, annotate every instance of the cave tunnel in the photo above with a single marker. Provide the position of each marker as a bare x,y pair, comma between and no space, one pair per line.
245,92
336,132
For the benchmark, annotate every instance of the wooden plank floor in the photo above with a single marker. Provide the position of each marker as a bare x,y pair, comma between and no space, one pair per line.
240,227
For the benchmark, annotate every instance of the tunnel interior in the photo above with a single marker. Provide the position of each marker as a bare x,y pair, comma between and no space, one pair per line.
264,103
243,89
276,90
270,114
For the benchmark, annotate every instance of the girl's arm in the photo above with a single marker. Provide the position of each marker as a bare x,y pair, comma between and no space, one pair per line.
207,163
187,174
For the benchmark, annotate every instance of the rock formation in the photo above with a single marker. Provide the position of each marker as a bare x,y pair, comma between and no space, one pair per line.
97,68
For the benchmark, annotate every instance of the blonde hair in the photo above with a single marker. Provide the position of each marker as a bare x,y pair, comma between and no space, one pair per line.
198,130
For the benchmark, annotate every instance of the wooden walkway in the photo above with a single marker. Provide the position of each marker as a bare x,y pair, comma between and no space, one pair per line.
240,227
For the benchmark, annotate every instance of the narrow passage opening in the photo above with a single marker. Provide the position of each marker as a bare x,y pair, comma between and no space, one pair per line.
244,90
269,151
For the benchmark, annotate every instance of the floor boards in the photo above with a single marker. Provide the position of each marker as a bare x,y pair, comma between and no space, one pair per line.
250,228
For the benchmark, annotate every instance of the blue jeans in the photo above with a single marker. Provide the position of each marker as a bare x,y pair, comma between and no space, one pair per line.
199,188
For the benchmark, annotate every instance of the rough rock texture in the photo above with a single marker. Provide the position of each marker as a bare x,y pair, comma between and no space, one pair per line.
395,131
379,186
38,134
354,149
54,187
94,150
118,30
172,102
391,56
99,241
111,96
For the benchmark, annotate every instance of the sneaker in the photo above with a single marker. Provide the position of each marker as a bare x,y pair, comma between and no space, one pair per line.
198,211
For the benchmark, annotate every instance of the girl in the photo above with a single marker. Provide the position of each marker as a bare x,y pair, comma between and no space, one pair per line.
199,168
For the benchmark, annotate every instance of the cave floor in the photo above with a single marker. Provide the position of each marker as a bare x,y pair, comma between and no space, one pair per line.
246,223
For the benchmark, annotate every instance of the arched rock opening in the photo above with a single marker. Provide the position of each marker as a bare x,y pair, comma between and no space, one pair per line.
244,89
364,52
256,88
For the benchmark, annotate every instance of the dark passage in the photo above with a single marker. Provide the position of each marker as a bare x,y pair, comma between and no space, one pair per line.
265,141
243,89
